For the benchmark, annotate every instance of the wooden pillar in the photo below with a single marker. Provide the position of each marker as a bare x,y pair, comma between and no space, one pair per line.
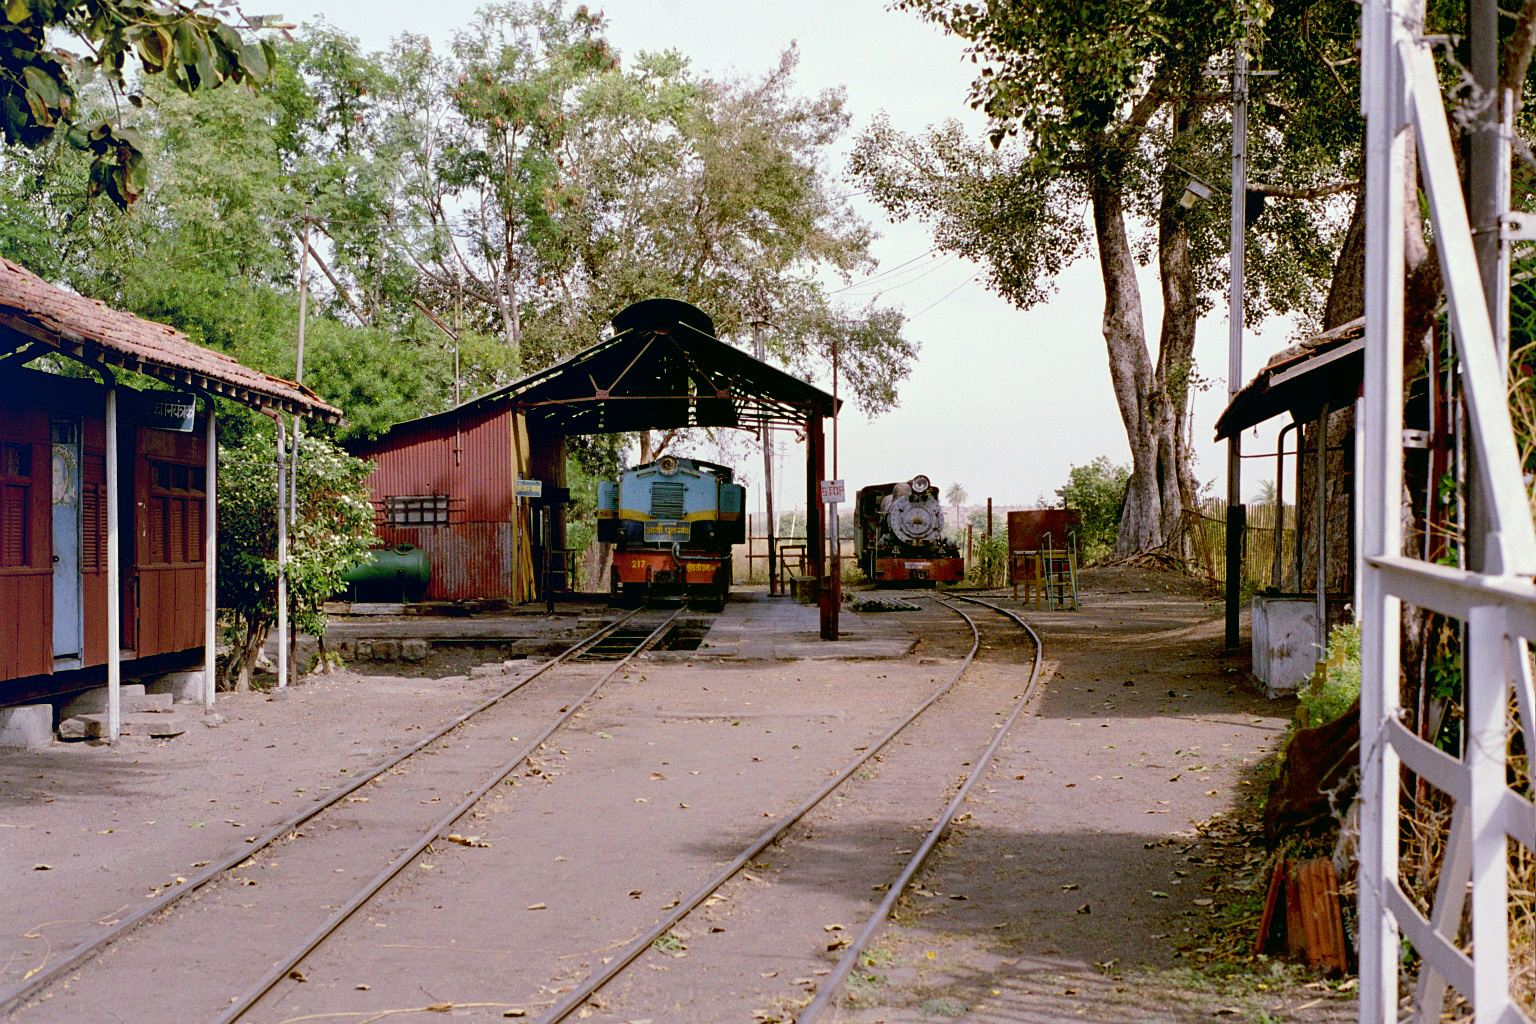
815,522
210,558
546,458
114,576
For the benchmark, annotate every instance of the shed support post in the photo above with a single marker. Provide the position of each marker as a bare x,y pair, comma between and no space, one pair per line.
1322,526
1277,570
114,577
816,517
210,558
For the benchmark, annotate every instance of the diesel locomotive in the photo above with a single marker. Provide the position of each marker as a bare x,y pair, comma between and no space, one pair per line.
673,523
899,535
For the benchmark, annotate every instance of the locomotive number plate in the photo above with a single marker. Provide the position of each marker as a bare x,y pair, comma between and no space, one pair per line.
668,531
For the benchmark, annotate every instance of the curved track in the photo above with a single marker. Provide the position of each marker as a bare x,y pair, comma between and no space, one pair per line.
428,756
585,990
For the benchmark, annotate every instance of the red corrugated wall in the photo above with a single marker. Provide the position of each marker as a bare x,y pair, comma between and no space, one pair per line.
468,459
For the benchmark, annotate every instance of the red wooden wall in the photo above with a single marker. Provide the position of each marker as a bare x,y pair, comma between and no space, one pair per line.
26,543
162,477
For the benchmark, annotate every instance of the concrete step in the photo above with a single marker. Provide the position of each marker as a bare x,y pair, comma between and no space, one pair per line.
94,700
158,724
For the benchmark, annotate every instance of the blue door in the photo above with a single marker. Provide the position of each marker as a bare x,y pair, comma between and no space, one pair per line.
67,632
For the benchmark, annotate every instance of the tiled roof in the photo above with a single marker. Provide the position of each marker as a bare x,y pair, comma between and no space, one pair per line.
92,331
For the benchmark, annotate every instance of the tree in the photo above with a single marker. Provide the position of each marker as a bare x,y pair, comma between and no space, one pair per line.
956,497
189,45
1098,106
333,532
1098,492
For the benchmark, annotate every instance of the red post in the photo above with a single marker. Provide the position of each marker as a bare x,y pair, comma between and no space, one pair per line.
815,523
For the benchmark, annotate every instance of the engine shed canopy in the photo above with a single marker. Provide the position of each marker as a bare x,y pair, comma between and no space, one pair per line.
663,368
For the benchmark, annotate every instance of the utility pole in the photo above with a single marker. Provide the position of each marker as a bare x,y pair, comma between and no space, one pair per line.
1487,166
1236,512
298,378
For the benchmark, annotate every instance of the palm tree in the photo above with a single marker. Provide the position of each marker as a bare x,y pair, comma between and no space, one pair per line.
956,497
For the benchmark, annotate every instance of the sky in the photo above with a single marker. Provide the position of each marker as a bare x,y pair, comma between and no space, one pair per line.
1001,401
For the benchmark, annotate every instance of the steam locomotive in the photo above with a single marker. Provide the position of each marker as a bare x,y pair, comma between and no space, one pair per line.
673,523
899,535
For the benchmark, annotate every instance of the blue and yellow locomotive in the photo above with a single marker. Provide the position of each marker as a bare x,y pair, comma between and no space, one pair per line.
673,523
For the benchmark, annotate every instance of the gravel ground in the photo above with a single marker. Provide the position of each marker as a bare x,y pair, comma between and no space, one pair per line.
1079,885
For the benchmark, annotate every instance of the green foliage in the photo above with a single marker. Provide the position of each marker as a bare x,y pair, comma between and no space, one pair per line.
1097,491
989,561
333,531
1341,685
189,46
524,186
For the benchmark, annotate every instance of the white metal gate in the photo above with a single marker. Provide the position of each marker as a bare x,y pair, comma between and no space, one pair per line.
1403,105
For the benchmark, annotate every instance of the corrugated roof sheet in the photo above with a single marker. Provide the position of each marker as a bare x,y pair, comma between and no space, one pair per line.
1324,369
90,330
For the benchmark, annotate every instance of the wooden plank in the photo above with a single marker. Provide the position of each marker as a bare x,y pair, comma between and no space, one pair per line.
34,639
10,657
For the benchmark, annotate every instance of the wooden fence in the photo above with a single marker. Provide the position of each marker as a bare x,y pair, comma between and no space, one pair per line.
1205,543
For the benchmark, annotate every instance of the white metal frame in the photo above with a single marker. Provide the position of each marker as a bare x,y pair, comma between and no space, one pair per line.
1403,105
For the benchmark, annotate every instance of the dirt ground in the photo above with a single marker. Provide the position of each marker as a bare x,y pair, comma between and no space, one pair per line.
1093,876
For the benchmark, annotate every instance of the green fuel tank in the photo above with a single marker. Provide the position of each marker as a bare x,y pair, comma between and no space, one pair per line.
399,573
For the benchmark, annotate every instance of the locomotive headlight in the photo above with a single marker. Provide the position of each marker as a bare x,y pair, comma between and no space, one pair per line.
667,465
920,484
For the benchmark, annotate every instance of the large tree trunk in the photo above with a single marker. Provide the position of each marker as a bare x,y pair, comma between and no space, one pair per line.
1176,351
1151,419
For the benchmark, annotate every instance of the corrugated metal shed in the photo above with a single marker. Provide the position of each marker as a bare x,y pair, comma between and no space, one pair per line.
662,368
1327,368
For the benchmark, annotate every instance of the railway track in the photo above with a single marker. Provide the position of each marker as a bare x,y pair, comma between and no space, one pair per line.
254,908
201,930
654,942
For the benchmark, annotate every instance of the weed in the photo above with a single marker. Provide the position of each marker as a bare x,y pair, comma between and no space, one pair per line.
669,944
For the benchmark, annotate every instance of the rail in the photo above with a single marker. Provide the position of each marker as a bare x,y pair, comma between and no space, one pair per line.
87,950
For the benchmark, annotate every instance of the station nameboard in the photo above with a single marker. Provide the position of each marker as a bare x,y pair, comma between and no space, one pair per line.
528,488
166,410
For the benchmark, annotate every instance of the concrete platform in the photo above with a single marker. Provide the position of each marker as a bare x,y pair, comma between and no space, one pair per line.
755,626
